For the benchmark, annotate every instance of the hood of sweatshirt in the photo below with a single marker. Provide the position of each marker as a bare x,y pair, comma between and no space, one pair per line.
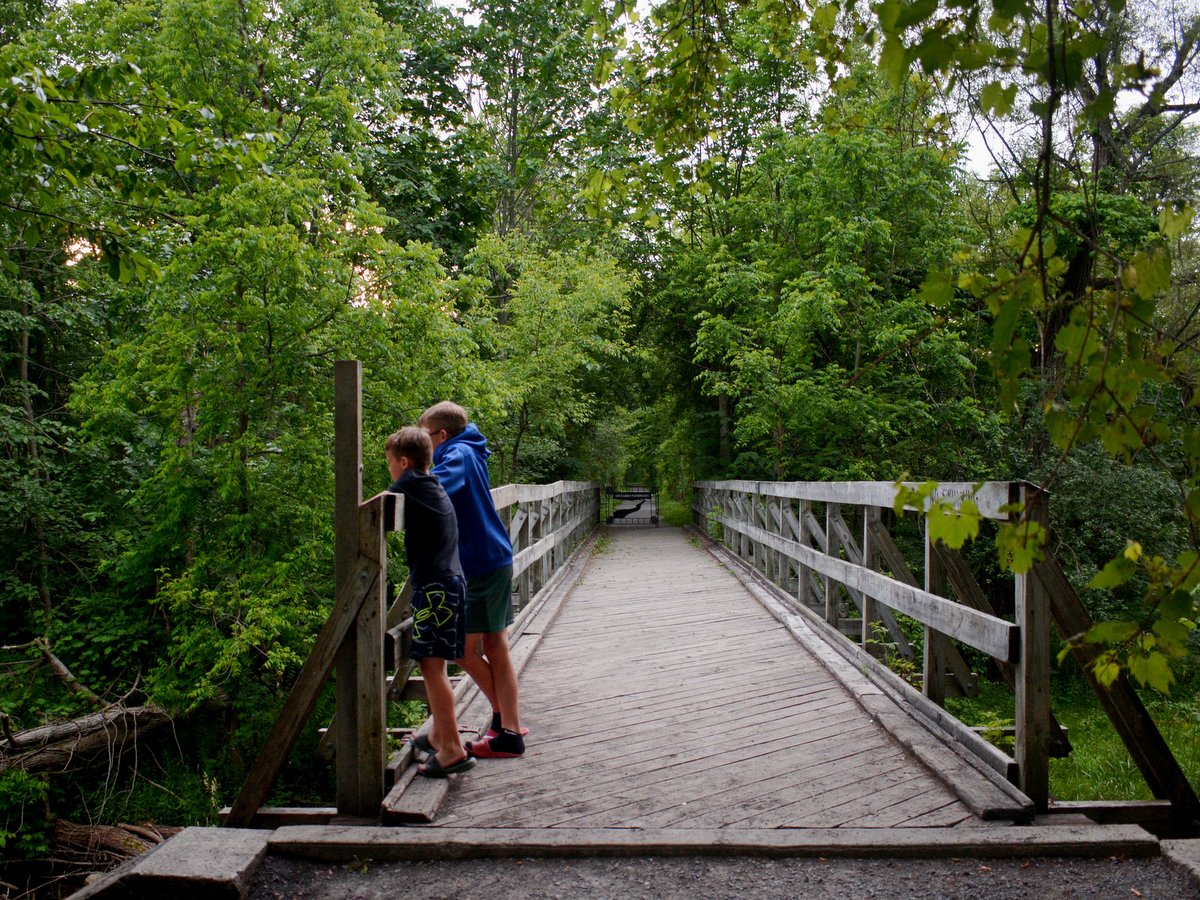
468,437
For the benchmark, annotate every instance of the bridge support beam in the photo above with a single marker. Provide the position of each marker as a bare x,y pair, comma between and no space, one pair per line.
1033,665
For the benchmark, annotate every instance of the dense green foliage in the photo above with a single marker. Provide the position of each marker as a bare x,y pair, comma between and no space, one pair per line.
732,239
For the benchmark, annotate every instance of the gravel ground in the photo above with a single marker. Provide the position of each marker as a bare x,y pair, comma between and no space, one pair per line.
705,878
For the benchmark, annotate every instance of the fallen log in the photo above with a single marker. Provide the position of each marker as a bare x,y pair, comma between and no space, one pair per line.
105,846
54,748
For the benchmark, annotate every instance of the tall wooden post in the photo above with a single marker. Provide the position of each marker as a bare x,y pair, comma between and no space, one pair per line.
933,681
1033,667
359,702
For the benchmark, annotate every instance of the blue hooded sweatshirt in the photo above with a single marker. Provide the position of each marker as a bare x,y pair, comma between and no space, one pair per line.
461,466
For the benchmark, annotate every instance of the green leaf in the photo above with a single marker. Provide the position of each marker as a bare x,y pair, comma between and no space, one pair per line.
998,99
954,526
1020,545
1147,275
1172,221
893,61
1106,669
1153,670
1115,573
913,12
1110,632
938,288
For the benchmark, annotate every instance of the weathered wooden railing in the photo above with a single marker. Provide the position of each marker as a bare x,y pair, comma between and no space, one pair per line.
544,522
825,572
365,636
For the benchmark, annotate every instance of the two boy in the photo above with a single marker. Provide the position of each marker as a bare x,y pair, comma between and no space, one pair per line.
450,502
439,592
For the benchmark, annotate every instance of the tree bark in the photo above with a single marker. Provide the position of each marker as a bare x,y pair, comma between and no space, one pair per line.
58,747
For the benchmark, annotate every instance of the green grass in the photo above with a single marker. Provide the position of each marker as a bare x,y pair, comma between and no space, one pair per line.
675,512
1099,767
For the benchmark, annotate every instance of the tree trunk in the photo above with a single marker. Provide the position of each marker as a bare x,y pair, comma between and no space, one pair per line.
726,448
61,746
103,846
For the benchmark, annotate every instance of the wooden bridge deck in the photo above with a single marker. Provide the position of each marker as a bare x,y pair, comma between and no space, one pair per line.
664,696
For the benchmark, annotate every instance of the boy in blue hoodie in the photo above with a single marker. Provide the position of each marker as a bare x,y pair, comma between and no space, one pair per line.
460,456
439,629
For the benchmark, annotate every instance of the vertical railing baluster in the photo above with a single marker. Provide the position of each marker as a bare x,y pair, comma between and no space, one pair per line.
934,678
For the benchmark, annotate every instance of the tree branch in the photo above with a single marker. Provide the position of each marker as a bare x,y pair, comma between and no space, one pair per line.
65,676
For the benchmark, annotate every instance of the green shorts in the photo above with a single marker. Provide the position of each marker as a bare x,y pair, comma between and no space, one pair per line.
489,602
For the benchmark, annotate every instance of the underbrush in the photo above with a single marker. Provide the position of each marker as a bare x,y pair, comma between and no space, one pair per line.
674,512
1099,767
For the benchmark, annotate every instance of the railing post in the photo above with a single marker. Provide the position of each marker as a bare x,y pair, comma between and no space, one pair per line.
1033,667
347,406
527,540
870,610
546,526
933,680
780,526
831,595
803,573
370,716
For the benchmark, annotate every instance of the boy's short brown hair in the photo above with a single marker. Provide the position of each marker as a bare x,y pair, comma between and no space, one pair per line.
414,444
447,415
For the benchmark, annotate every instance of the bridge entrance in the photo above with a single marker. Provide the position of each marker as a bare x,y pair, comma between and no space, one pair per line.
632,505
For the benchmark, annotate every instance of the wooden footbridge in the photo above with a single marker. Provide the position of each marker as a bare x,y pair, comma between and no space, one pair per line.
719,687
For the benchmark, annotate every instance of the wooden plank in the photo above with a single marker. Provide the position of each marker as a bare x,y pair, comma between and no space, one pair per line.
1120,701
735,805
517,523
399,636
414,688
279,816
365,753
414,799
768,726
349,843
882,613
831,592
624,793
870,560
979,630
1146,813
470,703
544,545
890,551
583,776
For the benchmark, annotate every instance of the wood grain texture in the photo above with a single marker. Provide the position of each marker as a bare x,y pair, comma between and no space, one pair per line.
664,696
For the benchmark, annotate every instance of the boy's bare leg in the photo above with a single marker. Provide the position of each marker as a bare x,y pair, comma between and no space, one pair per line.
504,679
444,735
479,668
